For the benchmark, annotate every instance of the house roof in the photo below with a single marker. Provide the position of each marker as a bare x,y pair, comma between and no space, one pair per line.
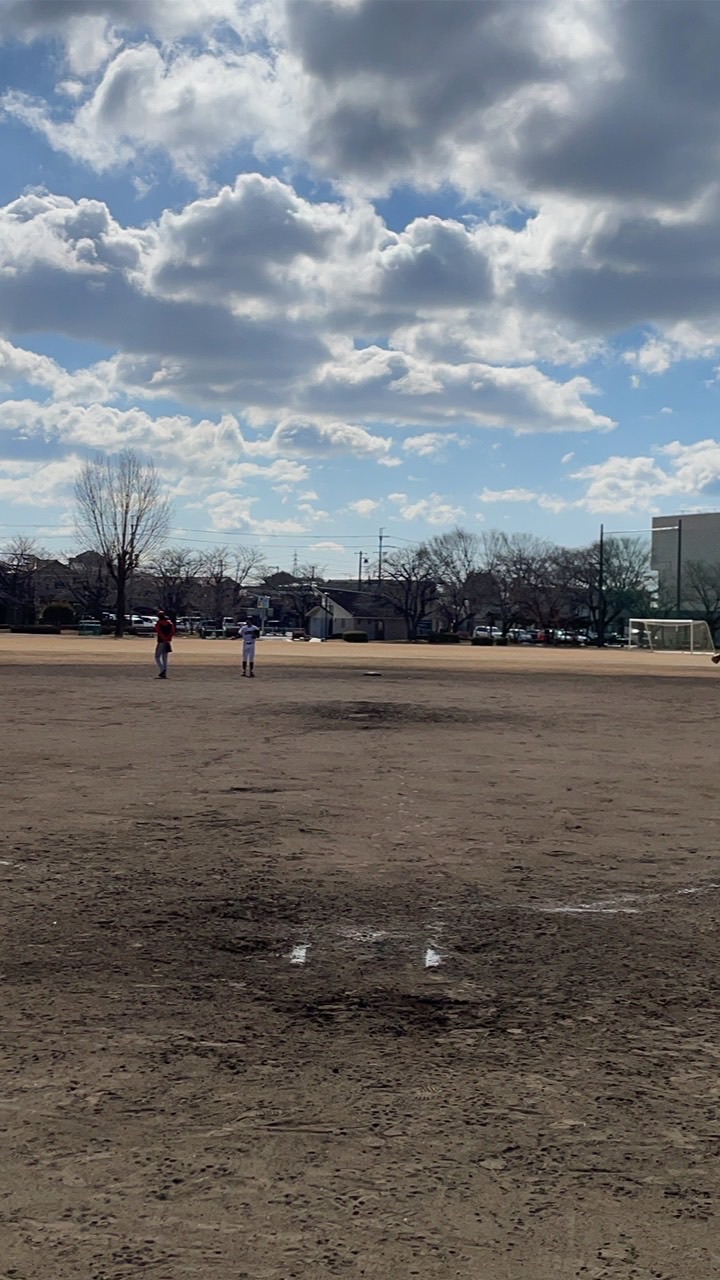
362,604
87,557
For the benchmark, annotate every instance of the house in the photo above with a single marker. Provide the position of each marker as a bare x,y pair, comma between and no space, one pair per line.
338,611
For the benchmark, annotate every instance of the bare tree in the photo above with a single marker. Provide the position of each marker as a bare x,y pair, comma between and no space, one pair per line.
122,514
629,586
88,582
249,567
624,587
215,569
702,590
501,583
300,595
18,569
530,569
409,584
176,571
226,572
456,559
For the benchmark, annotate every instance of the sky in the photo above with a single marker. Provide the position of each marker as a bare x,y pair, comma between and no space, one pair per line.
344,265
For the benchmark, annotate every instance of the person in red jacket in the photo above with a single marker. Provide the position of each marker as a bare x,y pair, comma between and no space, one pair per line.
164,630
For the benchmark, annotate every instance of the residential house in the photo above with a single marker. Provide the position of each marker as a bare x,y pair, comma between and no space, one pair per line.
338,611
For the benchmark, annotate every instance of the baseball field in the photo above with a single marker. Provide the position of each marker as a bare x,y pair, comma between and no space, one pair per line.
340,974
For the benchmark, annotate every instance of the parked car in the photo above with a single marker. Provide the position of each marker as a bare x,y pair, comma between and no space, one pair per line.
141,624
569,637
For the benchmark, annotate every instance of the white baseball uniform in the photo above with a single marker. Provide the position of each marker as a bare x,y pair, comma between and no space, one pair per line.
249,635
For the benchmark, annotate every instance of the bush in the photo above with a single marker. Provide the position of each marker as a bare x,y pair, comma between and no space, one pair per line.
444,637
356,637
503,640
35,631
58,614
484,641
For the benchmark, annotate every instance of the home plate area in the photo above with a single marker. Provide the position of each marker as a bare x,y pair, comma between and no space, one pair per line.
368,943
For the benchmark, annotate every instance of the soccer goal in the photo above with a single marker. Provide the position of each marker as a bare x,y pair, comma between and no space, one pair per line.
670,635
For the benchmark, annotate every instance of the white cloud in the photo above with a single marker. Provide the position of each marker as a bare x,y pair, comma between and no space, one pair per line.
19,365
508,495
666,409
433,510
589,131
195,447
316,439
31,20
574,97
576,111
40,484
623,484
237,300
363,506
327,546
680,473
395,387
191,455
655,356
228,511
193,106
430,443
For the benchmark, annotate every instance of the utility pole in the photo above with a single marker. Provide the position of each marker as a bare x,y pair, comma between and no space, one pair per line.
380,554
601,590
360,568
679,571
295,564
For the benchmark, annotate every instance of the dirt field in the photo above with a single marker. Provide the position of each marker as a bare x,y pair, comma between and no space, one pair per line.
331,975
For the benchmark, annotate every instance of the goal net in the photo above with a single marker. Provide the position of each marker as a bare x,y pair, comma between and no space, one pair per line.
670,635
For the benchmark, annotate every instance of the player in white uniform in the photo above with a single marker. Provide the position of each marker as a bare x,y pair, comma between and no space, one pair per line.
249,634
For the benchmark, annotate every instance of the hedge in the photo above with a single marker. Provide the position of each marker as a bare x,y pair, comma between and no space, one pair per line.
59,614
356,637
35,631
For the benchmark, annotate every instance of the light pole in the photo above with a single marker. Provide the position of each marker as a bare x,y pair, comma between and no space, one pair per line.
614,533
601,590
679,571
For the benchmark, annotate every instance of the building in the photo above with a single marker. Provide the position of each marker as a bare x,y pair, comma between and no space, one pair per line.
678,542
338,611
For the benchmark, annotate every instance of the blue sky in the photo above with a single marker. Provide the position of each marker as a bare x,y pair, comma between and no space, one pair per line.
337,265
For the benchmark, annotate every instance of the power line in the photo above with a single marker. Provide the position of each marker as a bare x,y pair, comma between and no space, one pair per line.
220,534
